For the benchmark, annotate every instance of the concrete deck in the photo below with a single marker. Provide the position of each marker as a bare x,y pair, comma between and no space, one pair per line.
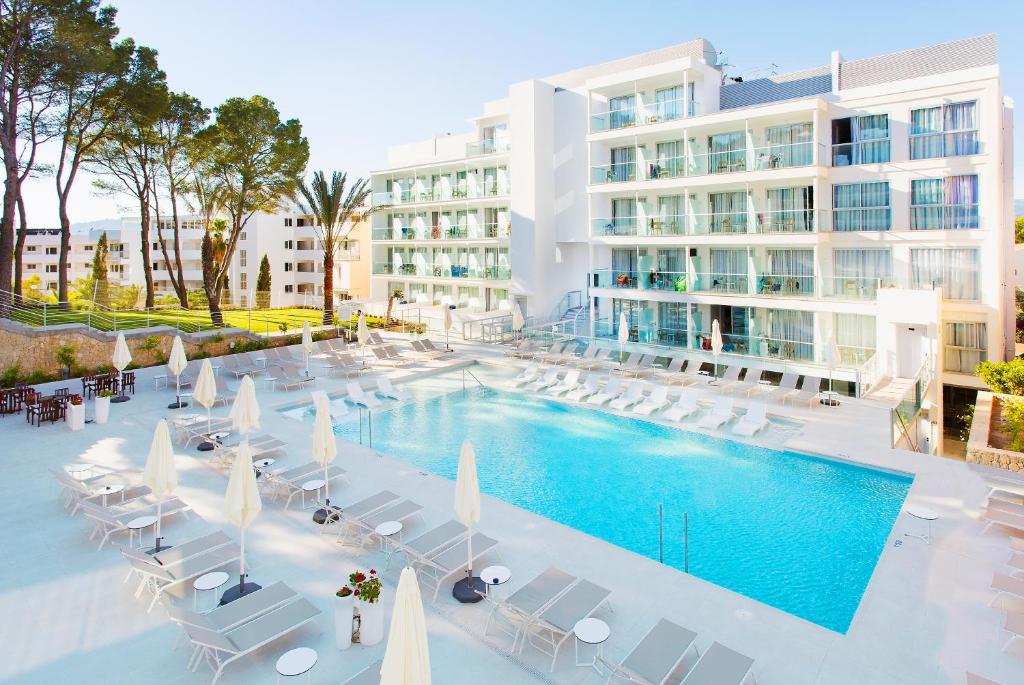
923,619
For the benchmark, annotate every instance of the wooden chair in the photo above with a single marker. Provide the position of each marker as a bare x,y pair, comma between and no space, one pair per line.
51,409
89,385
128,381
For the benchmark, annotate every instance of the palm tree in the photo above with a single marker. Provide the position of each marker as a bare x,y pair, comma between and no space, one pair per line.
336,212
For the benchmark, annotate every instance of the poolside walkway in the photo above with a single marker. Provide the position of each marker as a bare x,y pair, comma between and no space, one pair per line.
923,619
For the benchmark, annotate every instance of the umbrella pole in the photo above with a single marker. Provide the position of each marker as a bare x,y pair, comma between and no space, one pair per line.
327,488
159,510
469,546
241,576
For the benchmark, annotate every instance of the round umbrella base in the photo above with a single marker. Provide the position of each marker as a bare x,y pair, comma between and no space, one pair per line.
177,405
119,399
469,590
237,592
829,402
154,550
206,447
320,515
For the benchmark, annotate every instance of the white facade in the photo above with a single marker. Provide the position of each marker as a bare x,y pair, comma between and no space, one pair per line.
41,256
868,200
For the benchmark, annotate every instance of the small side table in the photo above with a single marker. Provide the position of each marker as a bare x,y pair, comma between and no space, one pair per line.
206,583
269,382
79,471
159,380
494,577
592,631
829,398
296,662
311,486
384,531
262,464
108,490
924,514
140,523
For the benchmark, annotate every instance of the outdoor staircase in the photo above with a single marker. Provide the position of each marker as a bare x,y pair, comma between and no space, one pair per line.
889,390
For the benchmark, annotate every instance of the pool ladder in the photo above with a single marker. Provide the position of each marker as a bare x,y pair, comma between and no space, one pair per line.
473,376
686,538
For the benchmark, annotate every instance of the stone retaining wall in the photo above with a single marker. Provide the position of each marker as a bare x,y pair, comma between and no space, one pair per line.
978,449
34,350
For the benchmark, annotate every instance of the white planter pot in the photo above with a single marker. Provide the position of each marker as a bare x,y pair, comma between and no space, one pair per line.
371,623
76,416
343,621
102,408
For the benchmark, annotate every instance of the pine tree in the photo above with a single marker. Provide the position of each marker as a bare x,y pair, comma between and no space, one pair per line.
263,284
101,287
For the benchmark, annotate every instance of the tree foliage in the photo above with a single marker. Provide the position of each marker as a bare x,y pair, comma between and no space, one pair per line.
263,284
101,287
1005,377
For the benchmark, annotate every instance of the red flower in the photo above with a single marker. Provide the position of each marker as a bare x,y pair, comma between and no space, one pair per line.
373,572
356,593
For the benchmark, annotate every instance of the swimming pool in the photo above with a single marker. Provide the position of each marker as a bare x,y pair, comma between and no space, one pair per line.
800,533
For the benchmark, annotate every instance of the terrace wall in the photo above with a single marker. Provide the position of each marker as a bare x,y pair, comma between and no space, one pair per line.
33,350
978,449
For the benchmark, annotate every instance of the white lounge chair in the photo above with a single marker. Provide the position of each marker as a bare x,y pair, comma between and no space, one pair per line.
554,624
570,382
753,421
657,656
550,378
589,387
527,375
436,569
611,390
655,401
720,666
685,406
338,408
785,386
751,380
386,389
520,609
720,413
358,396
808,393
633,394
691,375
729,378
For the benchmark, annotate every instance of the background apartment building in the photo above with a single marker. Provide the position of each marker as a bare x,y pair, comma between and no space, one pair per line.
41,256
864,201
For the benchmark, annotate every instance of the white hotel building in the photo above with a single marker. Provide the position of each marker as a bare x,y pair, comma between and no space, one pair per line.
869,200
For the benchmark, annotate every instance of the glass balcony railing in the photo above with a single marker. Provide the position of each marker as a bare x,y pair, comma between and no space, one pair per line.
861,219
666,167
853,287
937,217
458,189
786,285
672,281
646,112
873,151
496,229
759,346
613,119
944,144
487,147
720,222
661,225
724,162
613,173
785,221
731,284
383,268
783,155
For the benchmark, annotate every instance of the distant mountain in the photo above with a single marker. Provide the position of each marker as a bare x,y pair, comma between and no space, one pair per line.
1018,207
98,225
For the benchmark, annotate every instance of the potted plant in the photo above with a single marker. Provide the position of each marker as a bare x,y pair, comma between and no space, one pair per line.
367,589
343,600
66,358
102,405
76,413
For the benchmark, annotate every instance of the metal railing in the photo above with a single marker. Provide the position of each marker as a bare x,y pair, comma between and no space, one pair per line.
871,151
943,216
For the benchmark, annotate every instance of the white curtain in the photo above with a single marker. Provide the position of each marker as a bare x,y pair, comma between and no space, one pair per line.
863,263
965,344
795,268
855,336
792,332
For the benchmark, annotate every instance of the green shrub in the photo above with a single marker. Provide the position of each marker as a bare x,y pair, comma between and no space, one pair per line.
1003,377
152,343
9,377
66,356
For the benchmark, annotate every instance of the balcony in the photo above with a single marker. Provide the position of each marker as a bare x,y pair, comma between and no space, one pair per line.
720,222
721,283
490,273
850,219
484,231
647,112
672,281
854,287
944,144
351,253
666,167
620,172
654,226
487,147
786,285
471,188
940,216
872,151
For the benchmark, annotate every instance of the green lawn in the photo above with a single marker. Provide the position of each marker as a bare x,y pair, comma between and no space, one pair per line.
189,321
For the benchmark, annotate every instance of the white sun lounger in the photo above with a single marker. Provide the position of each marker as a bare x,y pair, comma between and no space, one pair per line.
337,407
589,387
160,579
524,349
785,386
691,375
350,515
633,394
436,569
665,373
720,413
220,649
1007,585
108,521
1000,515
655,401
358,396
975,679
600,359
368,676
554,624
570,382
527,375
386,389
808,392
433,542
730,378
720,666
685,406
753,421
612,389
750,381
553,354
657,656
521,607
550,378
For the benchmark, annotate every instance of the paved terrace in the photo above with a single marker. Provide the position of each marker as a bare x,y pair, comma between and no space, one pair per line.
67,615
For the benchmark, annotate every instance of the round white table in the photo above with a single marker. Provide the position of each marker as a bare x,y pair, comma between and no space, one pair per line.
186,419
495,576
311,486
140,523
384,531
206,583
78,471
107,490
924,514
296,662
220,435
591,631
261,464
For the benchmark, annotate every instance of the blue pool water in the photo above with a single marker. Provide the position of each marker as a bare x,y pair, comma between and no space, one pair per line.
800,533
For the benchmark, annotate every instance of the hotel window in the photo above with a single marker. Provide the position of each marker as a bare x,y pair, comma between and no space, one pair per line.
51,268
861,207
964,345
860,140
858,273
622,111
89,248
623,166
51,250
243,281
669,162
287,266
289,288
727,152
241,236
955,270
669,103
787,146
243,260
672,323
946,131
790,210
31,267
31,248
287,221
855,337
944,203
791,334
728,212
790,272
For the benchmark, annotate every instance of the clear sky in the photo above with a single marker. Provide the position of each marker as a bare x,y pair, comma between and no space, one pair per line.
363,75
